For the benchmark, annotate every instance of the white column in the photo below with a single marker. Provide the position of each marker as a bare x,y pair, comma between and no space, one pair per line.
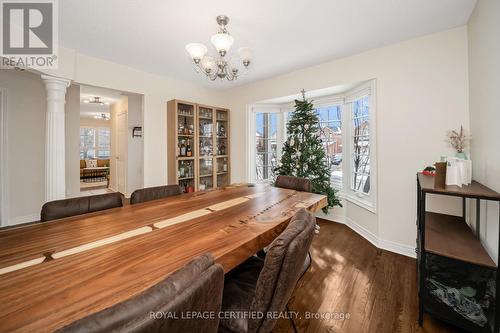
55,160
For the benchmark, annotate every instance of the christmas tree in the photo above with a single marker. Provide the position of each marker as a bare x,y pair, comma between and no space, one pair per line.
303,153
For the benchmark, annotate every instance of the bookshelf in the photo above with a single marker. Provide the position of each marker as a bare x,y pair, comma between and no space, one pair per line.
204,130
452,261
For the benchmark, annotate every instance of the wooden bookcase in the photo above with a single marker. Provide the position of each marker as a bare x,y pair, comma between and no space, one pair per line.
205,129
449,253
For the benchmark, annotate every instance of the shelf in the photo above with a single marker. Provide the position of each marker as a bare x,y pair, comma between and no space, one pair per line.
206,136
184,158
222,156
445,313
186,178
185,115
473,190
186,135
222,173
206,118
205,176
450,236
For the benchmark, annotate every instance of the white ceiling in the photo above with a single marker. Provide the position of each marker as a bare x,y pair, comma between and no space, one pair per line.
284,34
88,110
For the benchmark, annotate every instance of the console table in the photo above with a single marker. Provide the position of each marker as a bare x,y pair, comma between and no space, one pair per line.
451,258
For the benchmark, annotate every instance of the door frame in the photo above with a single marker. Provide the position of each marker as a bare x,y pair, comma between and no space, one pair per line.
124,160
3,159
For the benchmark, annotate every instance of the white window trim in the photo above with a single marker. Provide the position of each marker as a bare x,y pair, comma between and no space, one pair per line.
368,202
96,137
252,111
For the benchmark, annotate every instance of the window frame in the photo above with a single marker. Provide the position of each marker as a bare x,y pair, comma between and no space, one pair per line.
252,112
367,201
96,146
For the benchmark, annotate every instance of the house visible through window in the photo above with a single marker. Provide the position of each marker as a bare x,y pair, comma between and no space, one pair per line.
361,146
330,121
95,142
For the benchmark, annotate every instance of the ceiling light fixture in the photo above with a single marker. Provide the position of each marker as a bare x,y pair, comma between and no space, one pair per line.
221,66
95,100
102,116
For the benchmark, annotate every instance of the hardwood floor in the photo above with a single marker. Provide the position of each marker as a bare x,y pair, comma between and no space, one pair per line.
376,288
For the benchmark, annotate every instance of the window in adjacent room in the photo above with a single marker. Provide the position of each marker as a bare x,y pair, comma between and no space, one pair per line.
95,143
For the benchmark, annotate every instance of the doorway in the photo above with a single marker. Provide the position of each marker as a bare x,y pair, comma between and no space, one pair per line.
111,156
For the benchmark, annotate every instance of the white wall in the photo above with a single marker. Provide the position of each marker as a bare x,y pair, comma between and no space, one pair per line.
157,90
421,93
484,75
135,154
25,110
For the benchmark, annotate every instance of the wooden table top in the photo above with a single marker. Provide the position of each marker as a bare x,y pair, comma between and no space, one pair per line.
231,223
473,190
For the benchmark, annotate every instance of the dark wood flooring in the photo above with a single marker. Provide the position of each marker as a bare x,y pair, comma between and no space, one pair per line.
376,288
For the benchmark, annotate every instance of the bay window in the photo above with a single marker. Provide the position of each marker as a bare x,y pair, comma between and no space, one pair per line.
347,125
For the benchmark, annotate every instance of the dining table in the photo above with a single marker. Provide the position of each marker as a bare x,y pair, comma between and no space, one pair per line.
56,272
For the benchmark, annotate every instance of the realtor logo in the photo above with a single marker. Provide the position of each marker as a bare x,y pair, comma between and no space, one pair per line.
29,34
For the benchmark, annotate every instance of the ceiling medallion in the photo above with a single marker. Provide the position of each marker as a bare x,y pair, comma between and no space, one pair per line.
221,66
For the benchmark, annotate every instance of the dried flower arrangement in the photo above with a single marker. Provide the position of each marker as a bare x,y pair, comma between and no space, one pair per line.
458,140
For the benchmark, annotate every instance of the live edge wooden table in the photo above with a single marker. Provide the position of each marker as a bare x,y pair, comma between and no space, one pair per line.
56,272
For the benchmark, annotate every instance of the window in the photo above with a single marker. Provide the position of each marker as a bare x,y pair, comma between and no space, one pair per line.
95,142
266,145
330,121
360,140
347,123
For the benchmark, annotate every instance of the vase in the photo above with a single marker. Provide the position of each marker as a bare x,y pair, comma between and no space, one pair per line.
461,155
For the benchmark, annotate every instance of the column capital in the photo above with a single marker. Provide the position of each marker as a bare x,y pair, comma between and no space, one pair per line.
47,79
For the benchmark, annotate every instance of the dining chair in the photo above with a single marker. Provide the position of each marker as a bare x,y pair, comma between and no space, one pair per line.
265,285
195,288
298,184
293,183
154,193
59,209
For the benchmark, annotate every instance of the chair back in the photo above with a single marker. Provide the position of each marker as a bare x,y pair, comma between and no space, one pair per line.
59,209
154,193
282,269
293,183
195,287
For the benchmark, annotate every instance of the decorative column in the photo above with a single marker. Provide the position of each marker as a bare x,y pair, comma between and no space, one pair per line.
55,159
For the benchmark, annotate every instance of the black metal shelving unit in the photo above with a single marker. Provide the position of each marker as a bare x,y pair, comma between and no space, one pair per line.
445,242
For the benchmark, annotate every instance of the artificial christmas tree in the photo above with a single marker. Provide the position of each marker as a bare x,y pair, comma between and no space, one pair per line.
303,153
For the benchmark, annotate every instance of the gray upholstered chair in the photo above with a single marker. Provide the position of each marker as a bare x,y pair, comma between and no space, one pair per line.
195,287
265,285
154,193
59,209
293,183
298,184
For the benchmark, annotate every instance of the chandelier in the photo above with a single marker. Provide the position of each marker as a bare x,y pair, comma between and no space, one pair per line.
221,66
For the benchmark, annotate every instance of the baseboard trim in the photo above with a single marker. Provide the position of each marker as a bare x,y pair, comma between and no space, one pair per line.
380,243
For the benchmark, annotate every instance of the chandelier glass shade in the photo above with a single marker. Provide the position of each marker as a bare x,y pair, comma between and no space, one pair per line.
221,66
